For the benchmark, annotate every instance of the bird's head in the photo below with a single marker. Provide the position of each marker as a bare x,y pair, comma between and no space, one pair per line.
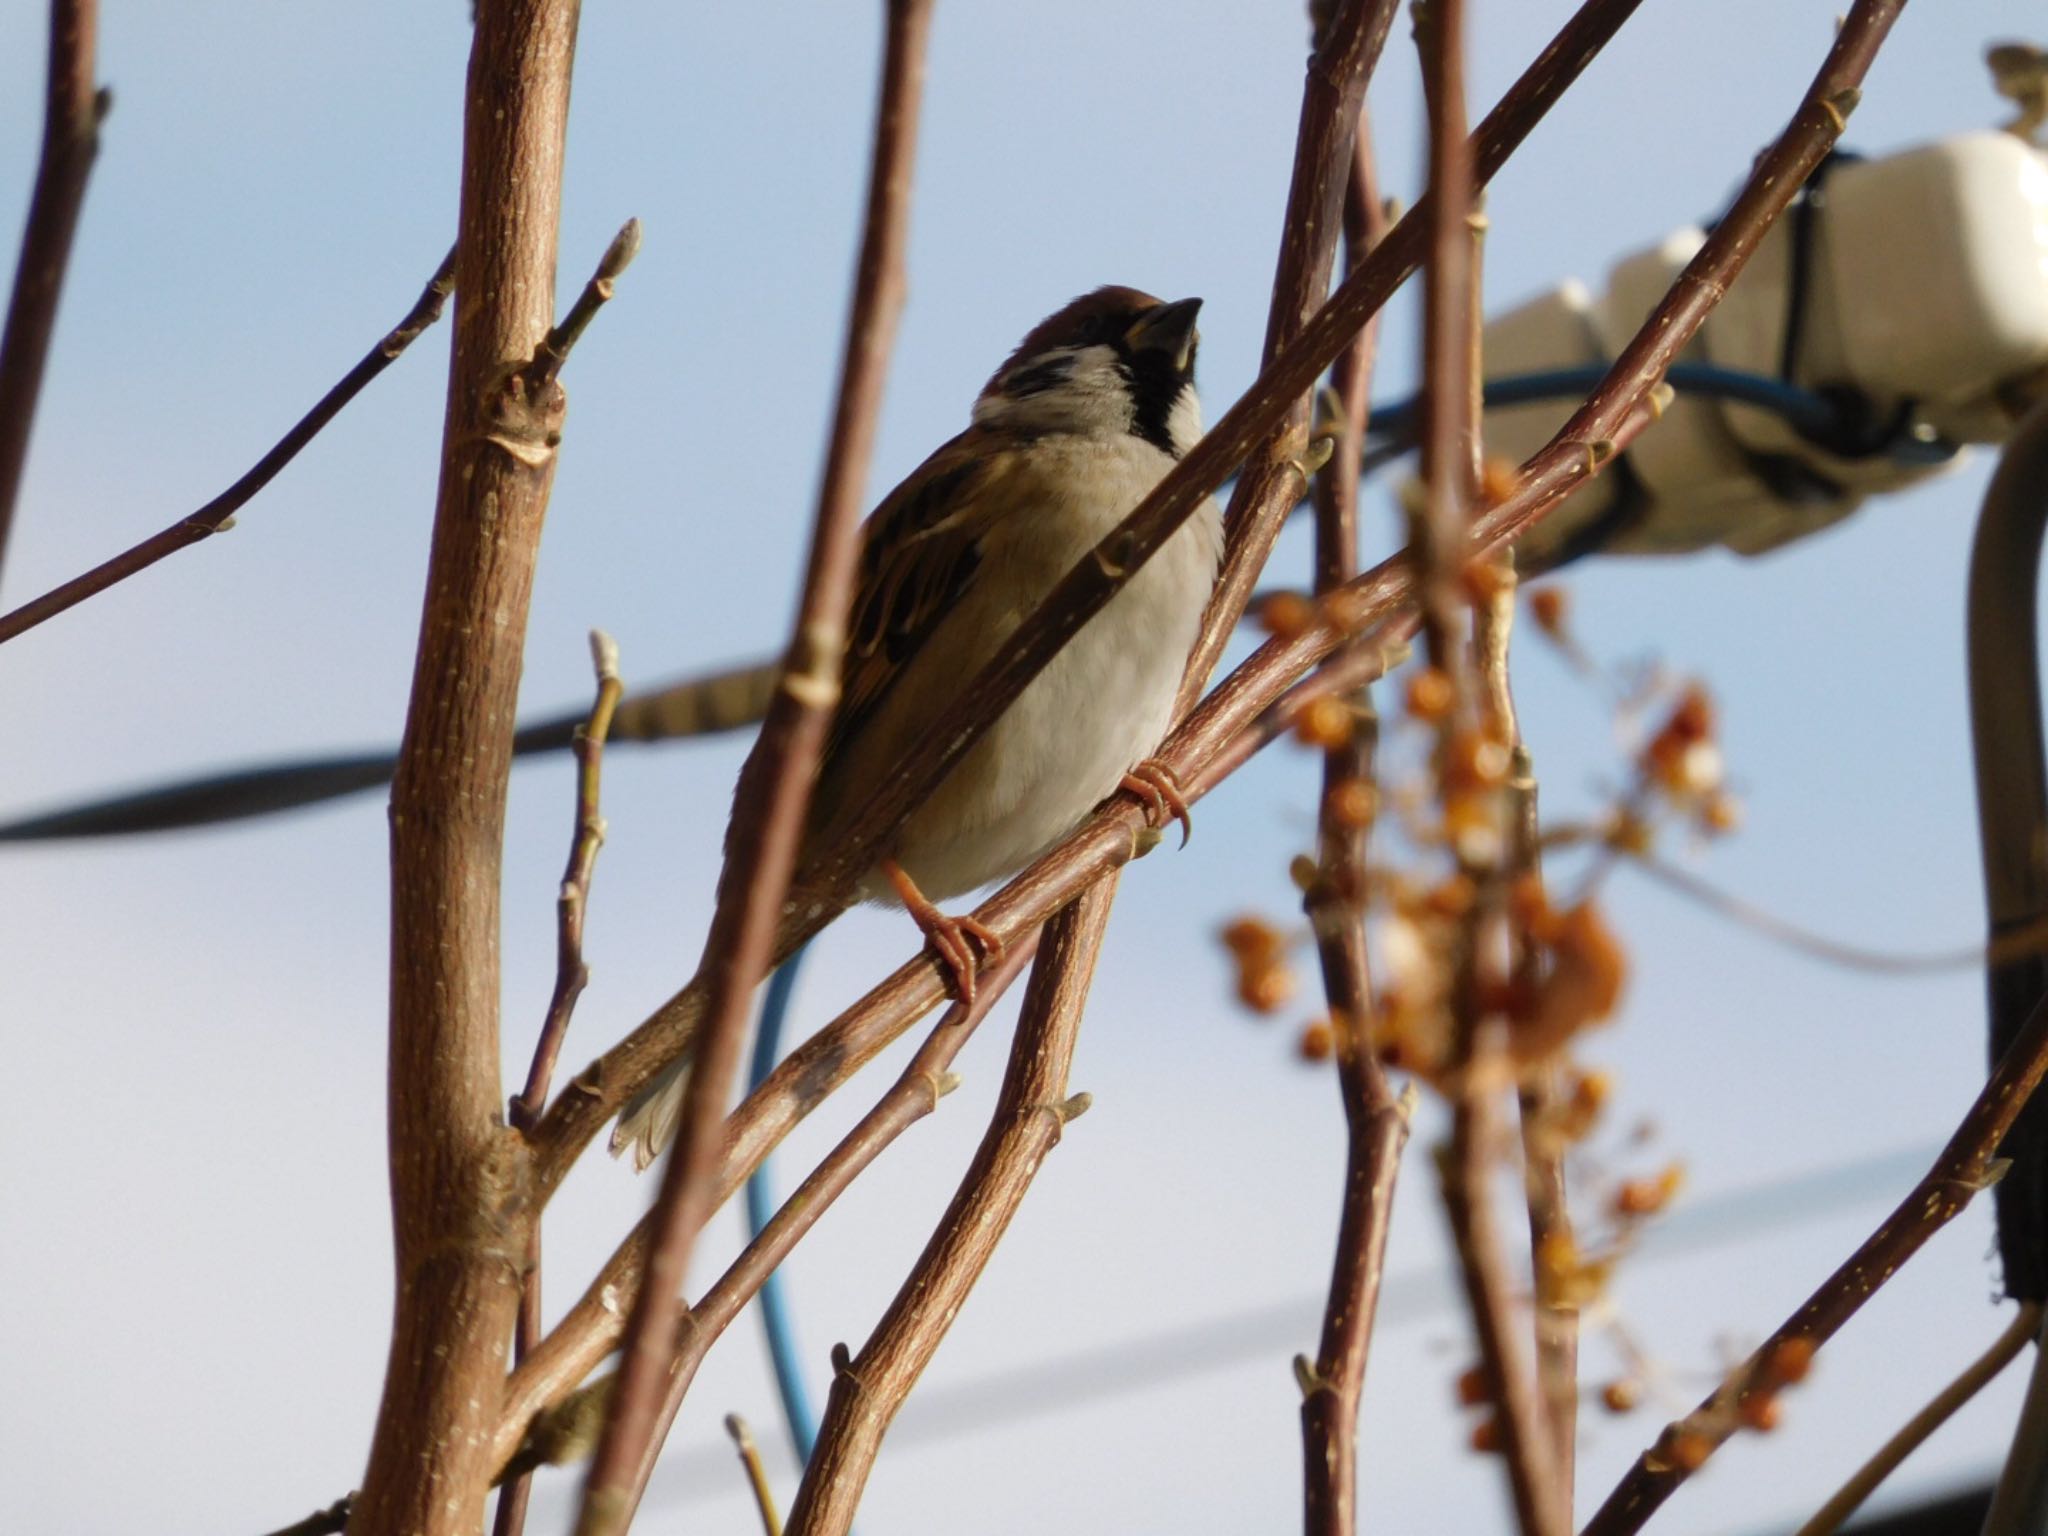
1113,362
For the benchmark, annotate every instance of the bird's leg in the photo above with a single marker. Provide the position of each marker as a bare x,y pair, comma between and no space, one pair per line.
1160,793
951,938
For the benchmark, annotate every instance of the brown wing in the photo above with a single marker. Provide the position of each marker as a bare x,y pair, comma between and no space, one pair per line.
920,551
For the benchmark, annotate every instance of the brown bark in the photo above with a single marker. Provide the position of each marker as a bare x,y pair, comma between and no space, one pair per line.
458,1175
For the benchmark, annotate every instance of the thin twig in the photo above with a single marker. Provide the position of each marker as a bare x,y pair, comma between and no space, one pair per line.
2031,940
824,1062
1032,1110
1370,601
757,1475
561,339
73,109
1944,1405
775,785
1439,538
591,1328
458,1175
1965,1168
915,1094
1350,36
1551,1239
322,1522
218,515
572,975
1376,1122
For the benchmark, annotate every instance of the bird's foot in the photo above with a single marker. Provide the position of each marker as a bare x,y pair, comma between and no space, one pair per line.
1158,790
953,939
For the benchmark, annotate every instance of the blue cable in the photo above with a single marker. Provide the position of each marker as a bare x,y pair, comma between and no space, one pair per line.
776,1321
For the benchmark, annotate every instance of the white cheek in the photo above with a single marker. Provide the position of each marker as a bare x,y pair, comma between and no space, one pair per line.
1184,422
1092,400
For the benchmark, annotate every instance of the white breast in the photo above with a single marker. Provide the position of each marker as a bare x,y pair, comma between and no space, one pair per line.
1101,705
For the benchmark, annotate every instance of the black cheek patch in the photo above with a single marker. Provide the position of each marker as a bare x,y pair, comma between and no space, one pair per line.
1155,384
1037,378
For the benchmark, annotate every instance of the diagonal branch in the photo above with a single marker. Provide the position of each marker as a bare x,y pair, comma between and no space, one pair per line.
458,1176
219,513
1031,1111
1350,36
1962,1171
1238,434
1364,620
73,110
604,1087
775,786
916,1093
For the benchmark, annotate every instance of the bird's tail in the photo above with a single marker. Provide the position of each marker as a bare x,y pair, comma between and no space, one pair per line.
648,1123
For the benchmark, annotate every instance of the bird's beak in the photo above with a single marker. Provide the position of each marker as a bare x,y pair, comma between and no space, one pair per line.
1170,329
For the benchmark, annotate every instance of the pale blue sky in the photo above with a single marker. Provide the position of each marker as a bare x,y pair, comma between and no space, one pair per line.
194,1261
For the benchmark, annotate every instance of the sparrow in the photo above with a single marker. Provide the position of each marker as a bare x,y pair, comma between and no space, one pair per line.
1082,420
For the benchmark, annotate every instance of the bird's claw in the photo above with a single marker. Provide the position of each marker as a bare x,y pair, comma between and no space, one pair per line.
952,939
1158,790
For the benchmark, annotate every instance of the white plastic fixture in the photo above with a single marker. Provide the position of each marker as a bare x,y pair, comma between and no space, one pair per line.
1925,292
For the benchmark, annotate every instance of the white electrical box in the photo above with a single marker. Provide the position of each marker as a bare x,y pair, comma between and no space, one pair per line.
1919,282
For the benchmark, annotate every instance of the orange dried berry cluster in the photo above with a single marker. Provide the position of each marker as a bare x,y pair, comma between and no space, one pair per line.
1566,1277
1284,615
1353,803
1499,479
1683,761
1265,980
1471,1392
1622,1396
1486,580
1289,615
1327,723
1429,695
1582,983
1651,1196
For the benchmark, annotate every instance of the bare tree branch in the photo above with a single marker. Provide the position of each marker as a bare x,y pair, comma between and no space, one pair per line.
915,1094
1376,1122
73,109
1962,1171
219,514
1245,711
1543,1175
1350,35
603,1088
1031,1112
774,791
757,1475
458,1176
1237,435
1440,535
1943,1406
572,975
